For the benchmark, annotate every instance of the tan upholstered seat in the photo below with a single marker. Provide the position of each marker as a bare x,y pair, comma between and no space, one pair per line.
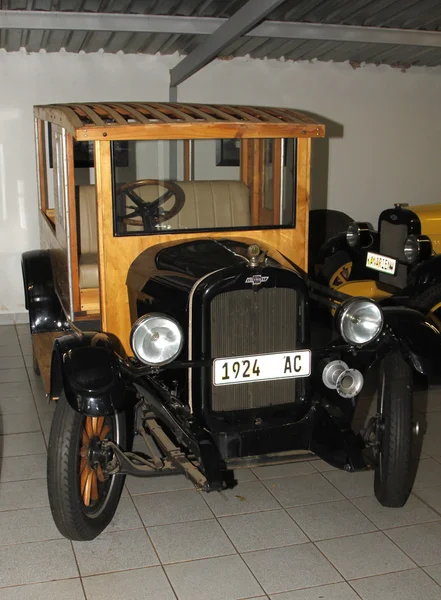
208,204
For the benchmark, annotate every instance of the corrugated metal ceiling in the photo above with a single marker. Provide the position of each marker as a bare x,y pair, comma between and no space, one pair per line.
402,14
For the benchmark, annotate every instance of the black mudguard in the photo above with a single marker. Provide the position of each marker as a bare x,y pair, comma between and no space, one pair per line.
424,275
86,368
419,337
41,300
331,246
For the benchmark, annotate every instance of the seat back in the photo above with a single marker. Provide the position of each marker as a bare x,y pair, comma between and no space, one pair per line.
208,204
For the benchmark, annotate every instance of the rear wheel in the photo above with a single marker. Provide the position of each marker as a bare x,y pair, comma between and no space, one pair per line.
394,431
83,499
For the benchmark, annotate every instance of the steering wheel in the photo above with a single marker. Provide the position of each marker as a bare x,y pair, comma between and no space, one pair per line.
151,213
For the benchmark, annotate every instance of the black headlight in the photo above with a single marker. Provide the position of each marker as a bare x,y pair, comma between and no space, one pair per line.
417,247
359,234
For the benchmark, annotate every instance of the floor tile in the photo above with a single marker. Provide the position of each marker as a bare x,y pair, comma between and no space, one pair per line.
435,572
302,489
286,470
432,444
421,542
11,362
352,485
365,555
21,444
115,551
190,541
126,516
260,531
148,584
405,585
172,507
244,498
39,561
25,344
161,483
18,468
12,349
15,390
333,591
322,466
242,475
12,405
15,495
67,589
223,578
384,517
291,568
428,473
27,525
431,496
13,375
331,519
20,423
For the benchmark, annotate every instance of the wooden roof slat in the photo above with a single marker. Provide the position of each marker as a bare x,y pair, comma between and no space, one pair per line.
261,113
70,114
171,108
155,113
93,116
116,116
223,116
236,111
133,112
199,113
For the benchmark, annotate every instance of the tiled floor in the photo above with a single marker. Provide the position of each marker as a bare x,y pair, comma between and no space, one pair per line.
301,531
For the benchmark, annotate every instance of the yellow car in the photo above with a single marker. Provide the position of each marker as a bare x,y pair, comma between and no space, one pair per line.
400,263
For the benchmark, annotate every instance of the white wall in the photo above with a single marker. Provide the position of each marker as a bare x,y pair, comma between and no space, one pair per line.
384,126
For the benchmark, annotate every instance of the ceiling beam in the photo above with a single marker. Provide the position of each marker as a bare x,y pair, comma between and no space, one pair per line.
236,26
112,22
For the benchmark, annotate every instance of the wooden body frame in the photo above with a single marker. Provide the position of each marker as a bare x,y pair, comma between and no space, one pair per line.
116,254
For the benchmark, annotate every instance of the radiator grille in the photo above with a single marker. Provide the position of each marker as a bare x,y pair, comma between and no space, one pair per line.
392,238
245,322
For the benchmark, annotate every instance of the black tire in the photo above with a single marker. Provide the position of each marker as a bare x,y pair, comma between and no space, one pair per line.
428,300
329,273
73,518
394,403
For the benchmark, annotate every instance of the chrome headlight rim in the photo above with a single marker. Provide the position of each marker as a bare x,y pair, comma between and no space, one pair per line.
142,322
422,248
343,313
359,234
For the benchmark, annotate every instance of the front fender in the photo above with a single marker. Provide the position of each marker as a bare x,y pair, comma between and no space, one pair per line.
425,274
41,300
86,368
419,337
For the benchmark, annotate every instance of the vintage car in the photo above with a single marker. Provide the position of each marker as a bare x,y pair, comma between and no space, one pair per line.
400,263
169,301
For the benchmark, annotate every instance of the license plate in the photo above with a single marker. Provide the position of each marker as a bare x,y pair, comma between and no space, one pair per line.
382,263
261,367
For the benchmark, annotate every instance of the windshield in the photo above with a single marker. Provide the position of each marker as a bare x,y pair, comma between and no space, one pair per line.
202,185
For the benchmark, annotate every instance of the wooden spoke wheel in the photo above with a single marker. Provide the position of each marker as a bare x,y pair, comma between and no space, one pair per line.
83,498
91,472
